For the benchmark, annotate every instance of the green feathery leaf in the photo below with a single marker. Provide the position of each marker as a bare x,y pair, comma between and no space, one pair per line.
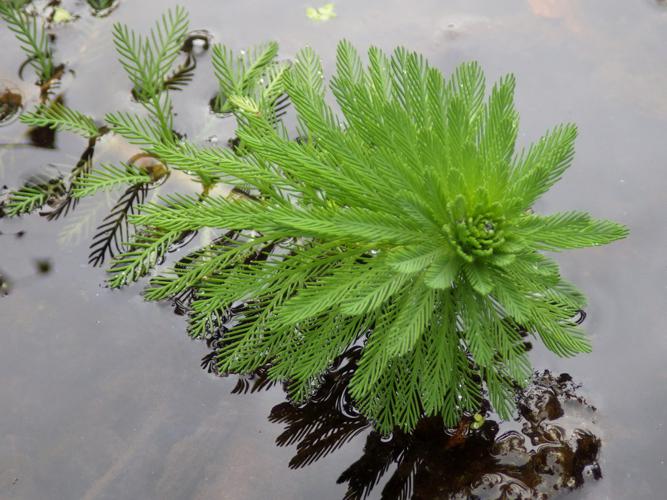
143,253
148,61
32,196
253,73
59,117
33,38
109,177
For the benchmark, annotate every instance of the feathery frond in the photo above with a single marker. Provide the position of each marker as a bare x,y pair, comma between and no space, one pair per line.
143,253
149,60
115,229
59,117
109,177
33,38
137,130
33,195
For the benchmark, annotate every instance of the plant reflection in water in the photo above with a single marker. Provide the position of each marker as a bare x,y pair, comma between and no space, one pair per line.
541,460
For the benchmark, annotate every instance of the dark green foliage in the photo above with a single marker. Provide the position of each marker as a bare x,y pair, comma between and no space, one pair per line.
115,230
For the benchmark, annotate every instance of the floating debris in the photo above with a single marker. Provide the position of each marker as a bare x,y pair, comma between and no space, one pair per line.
320,14
11,102
5,285
61,16
43,266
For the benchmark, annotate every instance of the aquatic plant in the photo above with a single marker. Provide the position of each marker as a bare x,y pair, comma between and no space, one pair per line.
33,38
254,73
151,66
149,60
59,117
98,5
34,194
404,225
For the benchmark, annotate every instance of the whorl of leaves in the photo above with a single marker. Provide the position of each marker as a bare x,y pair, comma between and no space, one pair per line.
254,73
406,224
149,60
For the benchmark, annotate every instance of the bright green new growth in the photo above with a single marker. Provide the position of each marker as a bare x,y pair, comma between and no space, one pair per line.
33,38
107,177
148,60
405,226
254,73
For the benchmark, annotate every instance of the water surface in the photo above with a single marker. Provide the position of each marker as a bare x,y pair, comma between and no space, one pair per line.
102,395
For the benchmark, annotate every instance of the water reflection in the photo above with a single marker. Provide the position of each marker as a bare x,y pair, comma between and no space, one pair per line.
537,456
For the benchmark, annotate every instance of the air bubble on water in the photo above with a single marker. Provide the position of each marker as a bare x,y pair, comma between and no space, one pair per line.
387,438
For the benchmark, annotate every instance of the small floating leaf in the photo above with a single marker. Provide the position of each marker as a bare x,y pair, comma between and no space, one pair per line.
323,13
61,15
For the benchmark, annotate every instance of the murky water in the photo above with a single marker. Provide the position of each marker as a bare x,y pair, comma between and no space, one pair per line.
101,394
